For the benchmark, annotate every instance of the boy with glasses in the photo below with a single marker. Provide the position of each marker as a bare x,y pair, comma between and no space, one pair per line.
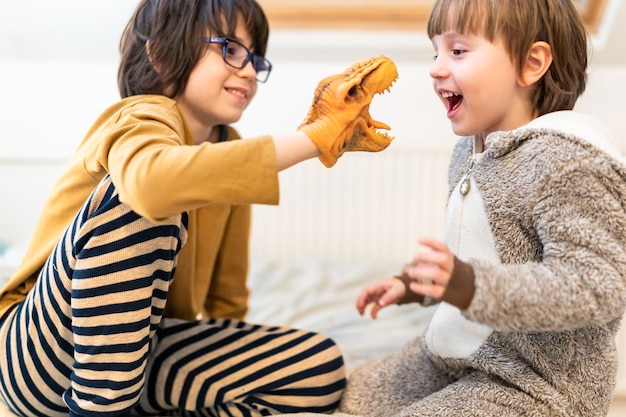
102,316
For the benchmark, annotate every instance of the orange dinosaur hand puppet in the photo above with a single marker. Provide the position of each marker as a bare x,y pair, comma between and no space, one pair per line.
339,120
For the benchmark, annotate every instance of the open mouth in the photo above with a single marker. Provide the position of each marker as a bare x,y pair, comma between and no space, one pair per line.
376,127
377,82
454,100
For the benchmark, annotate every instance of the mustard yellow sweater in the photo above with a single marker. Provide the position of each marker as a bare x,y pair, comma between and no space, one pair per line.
143,143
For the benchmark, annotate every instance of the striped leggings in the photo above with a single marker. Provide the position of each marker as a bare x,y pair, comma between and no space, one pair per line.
90,339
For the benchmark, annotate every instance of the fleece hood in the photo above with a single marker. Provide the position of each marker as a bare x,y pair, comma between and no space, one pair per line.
583,126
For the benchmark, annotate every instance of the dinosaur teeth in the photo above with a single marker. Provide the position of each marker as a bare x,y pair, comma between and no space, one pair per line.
388,89
379,125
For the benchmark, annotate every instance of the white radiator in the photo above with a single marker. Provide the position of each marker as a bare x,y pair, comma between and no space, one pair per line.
367,207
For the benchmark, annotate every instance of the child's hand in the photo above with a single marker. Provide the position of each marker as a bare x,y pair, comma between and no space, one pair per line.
380,294
430,271
339,120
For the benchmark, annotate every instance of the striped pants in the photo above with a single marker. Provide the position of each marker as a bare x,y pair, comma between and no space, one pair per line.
90,339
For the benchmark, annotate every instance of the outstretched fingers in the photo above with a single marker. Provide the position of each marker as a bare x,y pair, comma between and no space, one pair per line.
379,295
431,270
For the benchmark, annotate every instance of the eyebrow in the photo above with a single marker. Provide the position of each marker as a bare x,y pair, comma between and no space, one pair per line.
453,35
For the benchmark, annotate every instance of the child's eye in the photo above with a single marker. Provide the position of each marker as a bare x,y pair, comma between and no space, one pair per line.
232,50
457,52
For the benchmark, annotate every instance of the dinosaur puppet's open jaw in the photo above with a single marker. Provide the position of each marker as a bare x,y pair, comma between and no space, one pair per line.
339,121
364,80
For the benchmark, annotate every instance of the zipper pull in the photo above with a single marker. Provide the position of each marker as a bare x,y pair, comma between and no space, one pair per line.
465,182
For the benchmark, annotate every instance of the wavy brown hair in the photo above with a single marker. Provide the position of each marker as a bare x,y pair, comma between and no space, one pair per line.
520,23
173,31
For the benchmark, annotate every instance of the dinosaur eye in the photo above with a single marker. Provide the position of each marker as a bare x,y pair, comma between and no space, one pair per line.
353,91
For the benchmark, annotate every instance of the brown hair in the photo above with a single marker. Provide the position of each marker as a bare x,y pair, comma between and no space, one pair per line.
173,30
520,23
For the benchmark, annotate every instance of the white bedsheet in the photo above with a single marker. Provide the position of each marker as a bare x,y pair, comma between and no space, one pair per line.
320,295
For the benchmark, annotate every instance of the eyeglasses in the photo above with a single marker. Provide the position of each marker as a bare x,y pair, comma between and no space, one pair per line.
237,56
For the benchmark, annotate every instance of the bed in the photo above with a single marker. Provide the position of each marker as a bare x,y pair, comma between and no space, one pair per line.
319,295
334,231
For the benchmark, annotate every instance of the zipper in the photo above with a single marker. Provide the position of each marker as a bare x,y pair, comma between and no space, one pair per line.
466,184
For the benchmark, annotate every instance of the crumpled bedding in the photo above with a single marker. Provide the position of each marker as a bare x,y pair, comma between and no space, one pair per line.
317,295
320,295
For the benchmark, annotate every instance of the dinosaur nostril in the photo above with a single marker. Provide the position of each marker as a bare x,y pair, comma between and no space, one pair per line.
353,91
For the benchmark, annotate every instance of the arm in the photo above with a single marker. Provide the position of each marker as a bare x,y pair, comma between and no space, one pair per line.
404,289
146,147
579,280
580,220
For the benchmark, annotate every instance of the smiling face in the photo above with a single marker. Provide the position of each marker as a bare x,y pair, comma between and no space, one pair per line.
545,39
478,83
216,93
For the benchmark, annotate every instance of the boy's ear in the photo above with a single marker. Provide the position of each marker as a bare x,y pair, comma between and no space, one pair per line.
537,63
150,58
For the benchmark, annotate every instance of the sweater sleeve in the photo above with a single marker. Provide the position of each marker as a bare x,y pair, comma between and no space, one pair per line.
579,217
145,152
143,144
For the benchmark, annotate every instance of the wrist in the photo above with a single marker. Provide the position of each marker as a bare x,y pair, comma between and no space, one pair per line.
409,295
461,287
292,148
318,137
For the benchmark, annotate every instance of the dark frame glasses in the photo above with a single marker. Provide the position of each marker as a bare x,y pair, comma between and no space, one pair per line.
237,56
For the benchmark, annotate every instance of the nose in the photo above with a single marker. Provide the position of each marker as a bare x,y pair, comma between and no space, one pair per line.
247,71
438,68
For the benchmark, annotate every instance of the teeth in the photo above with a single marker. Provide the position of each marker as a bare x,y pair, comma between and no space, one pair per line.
445,94
239,93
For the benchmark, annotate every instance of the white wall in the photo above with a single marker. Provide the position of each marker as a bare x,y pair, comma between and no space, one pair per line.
58,63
